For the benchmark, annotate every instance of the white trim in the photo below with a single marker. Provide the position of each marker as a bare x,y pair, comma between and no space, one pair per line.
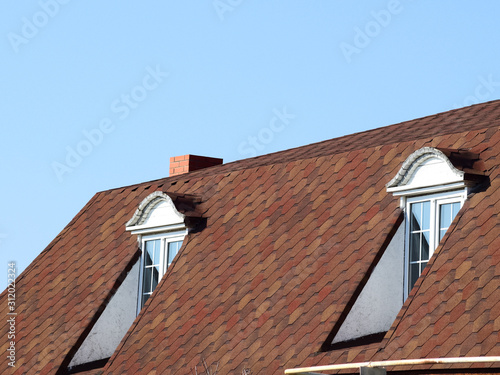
416,160
141,266
400,362
147,205
144,230
404,191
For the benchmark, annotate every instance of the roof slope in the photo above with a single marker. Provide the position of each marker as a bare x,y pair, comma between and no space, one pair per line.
455,309
290,238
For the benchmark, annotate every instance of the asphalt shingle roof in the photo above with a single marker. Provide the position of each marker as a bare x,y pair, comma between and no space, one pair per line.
290,240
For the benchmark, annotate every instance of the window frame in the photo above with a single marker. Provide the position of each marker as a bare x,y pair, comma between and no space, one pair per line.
436,200
165,239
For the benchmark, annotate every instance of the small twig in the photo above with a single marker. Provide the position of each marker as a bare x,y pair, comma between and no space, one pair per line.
208,370
205,365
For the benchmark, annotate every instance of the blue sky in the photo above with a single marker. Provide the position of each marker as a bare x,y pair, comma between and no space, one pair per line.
96,95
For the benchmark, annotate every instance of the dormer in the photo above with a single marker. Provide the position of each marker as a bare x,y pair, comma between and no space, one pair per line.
161,223
433,185
156,213
430,170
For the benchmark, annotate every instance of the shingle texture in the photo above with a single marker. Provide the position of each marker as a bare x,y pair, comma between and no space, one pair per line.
289,241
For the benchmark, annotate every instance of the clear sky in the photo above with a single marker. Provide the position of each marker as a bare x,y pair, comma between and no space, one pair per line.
100,94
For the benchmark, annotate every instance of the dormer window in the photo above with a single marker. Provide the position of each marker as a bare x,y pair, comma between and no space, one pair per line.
159,251
428,219
432,191
433,186
161,223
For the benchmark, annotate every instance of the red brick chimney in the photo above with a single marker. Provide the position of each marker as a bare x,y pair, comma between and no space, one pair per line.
188,163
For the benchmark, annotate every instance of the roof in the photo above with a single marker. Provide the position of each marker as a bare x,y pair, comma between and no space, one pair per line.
289,242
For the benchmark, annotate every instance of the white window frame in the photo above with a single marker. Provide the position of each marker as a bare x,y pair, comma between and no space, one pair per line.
165,239
436,200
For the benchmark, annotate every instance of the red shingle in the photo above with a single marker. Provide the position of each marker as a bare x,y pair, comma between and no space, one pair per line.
289,238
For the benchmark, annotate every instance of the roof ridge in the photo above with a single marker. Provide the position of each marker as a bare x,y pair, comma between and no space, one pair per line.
253,162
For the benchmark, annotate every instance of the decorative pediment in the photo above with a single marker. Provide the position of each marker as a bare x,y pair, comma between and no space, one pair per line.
427,170
157,212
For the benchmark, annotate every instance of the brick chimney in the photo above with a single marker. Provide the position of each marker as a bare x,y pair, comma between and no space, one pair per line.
188,163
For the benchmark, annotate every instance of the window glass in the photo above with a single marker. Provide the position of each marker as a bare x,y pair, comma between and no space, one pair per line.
416,216
414,247
414,273
157,252
419,237
147,280
428,222
447,212
151,271
426,215
173,249
424,246
149,253
156,277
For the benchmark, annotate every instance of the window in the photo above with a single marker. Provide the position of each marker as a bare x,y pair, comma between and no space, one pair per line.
432,185
428,219
160,230
158,253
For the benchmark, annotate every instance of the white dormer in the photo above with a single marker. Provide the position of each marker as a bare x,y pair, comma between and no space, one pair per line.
426,171
161,230
432,191
156,213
